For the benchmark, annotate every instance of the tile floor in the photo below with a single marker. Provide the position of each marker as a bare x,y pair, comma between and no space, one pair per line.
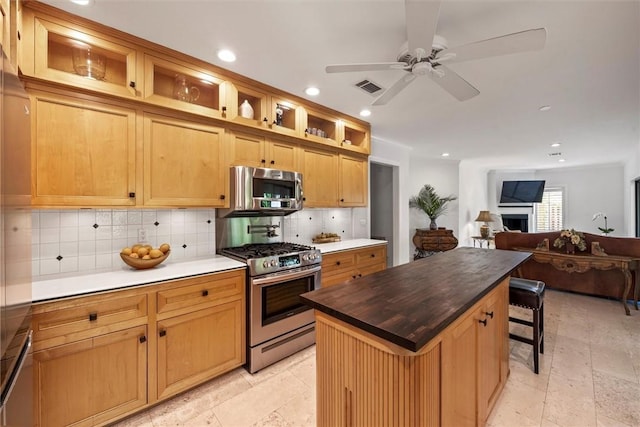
589,376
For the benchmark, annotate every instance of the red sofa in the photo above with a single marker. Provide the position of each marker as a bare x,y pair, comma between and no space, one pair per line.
593,282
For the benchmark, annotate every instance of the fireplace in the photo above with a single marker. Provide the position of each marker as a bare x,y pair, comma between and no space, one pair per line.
516,222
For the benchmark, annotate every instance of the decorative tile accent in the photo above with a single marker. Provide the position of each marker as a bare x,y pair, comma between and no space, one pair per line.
59,257
95,226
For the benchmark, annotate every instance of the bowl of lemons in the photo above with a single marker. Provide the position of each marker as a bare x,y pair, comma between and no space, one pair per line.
141,256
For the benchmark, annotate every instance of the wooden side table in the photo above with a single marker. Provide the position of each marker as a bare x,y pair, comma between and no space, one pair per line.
481,240
429,241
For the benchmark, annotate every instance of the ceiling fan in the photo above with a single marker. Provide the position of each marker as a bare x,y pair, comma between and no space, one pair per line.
425,52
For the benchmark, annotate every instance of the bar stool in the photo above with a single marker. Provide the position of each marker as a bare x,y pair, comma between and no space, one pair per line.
529,294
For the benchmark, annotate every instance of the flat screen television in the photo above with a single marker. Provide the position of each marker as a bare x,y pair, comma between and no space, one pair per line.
522,191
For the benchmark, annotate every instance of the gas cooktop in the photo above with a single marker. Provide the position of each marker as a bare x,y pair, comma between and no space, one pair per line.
264,258
261,250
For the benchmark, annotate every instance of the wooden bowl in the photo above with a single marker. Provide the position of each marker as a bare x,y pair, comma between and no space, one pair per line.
141,264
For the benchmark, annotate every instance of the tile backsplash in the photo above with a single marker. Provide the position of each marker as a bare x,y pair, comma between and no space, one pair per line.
84,241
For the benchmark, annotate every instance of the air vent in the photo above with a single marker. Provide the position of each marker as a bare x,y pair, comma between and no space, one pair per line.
557,153
368,86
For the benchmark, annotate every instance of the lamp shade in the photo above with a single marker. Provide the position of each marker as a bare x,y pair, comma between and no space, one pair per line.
484,216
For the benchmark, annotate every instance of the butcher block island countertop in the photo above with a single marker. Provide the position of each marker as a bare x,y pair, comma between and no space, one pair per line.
404,346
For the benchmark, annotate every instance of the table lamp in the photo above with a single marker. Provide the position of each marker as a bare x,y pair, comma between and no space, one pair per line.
484,216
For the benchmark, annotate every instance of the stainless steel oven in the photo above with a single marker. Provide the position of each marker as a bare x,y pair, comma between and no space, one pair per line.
278,323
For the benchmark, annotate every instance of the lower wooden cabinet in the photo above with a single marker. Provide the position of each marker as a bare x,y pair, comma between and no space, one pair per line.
92,381
102,357
475,357
197,346
345,266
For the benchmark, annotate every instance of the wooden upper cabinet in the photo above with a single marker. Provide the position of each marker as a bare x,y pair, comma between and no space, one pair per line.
355,137
184,163
256,151
353,181
57,51
258,101
286,116
83,152
319,175
320,127
180,86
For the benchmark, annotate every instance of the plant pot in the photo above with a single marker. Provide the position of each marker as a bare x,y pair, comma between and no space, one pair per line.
433,225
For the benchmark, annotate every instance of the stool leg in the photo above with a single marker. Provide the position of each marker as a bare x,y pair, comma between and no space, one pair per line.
542,328
536,339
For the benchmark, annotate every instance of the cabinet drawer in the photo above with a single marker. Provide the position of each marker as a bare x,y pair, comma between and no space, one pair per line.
337,262
337,278
372,255
70,320
200,292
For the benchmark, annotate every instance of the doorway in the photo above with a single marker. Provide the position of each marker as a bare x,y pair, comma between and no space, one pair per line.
383,190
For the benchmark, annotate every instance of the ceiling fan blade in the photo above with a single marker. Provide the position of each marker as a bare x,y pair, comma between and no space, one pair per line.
421,20
394,89
511,43
374,66
454,84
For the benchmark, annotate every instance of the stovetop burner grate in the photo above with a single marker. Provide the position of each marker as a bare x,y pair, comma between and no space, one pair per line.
259,250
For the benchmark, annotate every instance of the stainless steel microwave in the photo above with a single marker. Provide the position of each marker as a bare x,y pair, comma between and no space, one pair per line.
263,192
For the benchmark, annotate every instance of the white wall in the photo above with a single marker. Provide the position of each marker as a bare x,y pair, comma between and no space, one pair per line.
396,155
473,197
590,190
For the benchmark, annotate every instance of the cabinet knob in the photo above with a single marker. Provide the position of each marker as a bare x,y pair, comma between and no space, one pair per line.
142,339
132,84
353,277
224,109
359,274
163,332
205,293
304,199
483,321
222,197
263,161
342,200
489,313
273,162
132,195
337,262
373,255
93,317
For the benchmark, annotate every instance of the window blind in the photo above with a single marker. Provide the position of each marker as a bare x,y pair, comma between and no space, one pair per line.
549,212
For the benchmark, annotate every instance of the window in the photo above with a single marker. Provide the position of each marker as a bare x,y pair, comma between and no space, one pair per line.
550,212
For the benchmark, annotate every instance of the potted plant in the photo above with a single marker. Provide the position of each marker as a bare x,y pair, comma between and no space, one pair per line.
431,203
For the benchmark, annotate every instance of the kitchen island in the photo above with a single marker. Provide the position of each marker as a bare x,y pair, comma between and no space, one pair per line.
424,343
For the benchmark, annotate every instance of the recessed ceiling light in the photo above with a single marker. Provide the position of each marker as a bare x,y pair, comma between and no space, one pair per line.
545,108
561,160
312,91
445,154
82,2
226,55
365,113
555,144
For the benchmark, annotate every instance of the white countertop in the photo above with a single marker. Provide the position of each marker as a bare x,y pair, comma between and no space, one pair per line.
347,244
50,289
125,277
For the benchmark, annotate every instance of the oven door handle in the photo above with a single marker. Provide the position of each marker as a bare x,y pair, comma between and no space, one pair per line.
270,280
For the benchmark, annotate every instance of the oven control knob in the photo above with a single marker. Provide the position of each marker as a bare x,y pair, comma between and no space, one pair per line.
305,257
273,263
265,264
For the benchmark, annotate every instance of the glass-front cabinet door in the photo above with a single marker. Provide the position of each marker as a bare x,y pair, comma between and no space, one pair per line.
178,86
77,58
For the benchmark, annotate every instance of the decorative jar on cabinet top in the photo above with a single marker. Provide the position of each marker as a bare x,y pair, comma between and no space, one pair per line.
246,110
